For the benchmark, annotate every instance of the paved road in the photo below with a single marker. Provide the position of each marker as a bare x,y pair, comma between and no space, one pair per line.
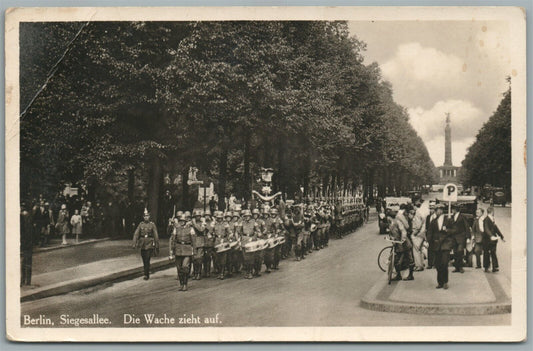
322,290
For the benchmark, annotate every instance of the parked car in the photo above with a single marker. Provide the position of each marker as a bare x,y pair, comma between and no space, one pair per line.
498,196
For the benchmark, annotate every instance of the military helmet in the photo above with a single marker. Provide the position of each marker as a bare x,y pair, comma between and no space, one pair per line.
179,214
255,211
207,212
246,213
197,213
219,214
228,214
182,218
273,211
236,214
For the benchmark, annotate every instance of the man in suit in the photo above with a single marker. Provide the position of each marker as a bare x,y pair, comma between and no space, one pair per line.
443,241
490,241
460,230
431,249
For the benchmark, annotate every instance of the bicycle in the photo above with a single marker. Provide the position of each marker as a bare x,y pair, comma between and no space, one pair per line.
386,258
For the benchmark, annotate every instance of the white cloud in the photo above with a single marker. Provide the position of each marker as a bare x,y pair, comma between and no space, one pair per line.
466,119
423,72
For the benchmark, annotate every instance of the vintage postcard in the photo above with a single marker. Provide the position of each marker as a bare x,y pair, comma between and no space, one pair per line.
266,174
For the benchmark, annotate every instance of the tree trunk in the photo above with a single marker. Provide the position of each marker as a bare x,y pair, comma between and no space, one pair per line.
131,185
223,165
185,190
154,186
246,177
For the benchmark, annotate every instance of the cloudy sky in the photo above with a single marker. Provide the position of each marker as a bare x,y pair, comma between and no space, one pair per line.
441,66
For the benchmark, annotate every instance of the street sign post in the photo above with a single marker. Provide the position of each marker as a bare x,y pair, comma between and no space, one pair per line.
449,193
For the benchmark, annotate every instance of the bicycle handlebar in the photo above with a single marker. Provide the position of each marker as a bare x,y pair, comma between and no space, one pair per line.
393,241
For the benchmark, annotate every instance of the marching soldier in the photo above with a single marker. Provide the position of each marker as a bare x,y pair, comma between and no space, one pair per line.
269,234
232,239
199,227
181,249
296,227
306,233
277,230
147,239
209,251
248,231
261,234
236,228
221,233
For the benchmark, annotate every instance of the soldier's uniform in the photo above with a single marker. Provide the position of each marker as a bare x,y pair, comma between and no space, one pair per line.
147,239
236,228
261,235
181,249
221,232
209,248
277,229
232,239
248,231
306,234
199,228
268,252
296,233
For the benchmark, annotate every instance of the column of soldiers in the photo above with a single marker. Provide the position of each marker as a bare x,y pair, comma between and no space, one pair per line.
238,241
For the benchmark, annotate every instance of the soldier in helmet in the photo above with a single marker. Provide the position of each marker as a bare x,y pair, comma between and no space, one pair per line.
209,252
221,232
248,231
147,239
297,236
231,239
261,234
306,233
181,249
269,234
199,227
236,228
276,229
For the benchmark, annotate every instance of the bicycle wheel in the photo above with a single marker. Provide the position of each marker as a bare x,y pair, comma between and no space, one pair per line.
383,258
390,269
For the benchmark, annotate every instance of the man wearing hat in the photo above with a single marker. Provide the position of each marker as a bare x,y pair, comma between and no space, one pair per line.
296,226
26,245
460,230
236,229
429,235
221,233
181,249
443,242
248,232
147,239
209,252
199,226
277,229
270,232
261,235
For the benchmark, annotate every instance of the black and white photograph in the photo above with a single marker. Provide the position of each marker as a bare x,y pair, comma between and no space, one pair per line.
266,174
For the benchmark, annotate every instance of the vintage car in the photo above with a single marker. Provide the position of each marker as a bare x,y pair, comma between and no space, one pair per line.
391,203
498,197
415,195
467,206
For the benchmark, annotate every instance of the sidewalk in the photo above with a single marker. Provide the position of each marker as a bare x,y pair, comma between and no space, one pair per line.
77,267
471,293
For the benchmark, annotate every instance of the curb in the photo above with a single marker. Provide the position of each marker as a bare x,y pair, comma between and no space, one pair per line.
52,248
377,300
74,285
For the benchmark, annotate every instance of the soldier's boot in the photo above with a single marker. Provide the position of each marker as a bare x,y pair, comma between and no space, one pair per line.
180,278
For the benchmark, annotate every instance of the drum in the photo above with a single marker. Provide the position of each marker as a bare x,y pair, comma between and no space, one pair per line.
272,242
253,246
222,246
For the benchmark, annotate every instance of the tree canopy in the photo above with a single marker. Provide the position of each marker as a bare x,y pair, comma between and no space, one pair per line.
488,159
131,101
